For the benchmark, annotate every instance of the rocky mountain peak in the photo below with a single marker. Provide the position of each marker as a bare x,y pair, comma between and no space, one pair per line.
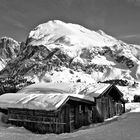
9,49
56,51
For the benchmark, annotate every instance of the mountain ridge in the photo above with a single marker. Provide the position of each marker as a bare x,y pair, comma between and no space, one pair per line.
57,51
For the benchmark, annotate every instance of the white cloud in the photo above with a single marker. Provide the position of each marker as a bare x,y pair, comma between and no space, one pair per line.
130,36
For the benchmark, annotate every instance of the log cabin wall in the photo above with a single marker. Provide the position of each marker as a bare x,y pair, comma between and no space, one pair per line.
110,103
71,116
38,121
107,107
78,114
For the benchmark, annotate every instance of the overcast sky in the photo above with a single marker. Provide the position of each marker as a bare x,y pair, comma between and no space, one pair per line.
119,18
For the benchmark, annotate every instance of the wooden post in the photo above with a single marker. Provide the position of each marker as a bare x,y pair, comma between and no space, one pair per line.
77,116
67,118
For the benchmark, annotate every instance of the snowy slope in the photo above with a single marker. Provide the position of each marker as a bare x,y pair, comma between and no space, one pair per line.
71,34
56,51
95,53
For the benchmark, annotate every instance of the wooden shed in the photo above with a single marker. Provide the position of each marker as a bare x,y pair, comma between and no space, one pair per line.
59,108
48,113
108,98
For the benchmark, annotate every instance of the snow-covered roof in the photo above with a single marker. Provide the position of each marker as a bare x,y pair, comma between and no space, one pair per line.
47,102
98,89
47,88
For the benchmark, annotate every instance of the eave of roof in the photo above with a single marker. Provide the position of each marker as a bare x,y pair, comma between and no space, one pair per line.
47,102
102,90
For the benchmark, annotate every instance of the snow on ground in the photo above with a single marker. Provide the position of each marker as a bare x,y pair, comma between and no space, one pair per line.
132,107
124,127
66,75
102,60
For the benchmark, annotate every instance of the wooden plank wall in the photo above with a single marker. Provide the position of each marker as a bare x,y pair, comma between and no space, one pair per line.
107,107
72,117
79,115
68,118
38,121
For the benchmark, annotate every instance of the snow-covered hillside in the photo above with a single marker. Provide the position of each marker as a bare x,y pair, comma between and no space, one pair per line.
94,53
56,51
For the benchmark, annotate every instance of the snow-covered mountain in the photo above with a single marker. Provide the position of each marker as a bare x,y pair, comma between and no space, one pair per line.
58,51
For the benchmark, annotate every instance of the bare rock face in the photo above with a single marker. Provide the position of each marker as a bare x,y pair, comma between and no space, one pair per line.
9,50
58,51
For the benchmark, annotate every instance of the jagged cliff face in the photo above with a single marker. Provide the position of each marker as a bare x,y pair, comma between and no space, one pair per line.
9,49
58,51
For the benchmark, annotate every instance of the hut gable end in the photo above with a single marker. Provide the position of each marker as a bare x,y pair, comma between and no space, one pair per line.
112,91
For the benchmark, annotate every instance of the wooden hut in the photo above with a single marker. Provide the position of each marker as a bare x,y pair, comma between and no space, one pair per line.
54,112
108,98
